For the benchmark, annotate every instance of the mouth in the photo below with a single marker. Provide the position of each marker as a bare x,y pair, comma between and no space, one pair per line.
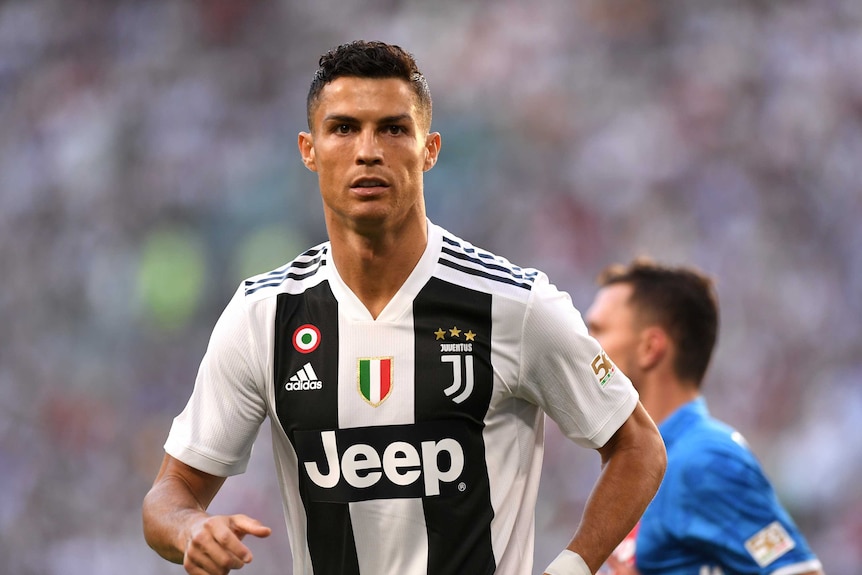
367,186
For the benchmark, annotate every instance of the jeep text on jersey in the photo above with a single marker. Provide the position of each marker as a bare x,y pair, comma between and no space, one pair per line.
400,461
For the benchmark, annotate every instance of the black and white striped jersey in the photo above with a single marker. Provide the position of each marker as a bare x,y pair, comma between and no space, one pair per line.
410,444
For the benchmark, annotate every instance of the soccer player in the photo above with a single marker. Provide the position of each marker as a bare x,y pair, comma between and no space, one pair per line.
405,374
715,512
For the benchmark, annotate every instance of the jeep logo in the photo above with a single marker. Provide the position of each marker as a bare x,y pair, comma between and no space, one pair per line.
365,463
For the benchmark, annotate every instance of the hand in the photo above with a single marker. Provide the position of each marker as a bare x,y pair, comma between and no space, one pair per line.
215,546
618,567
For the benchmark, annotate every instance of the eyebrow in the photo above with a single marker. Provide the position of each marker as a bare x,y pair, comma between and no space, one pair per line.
353,120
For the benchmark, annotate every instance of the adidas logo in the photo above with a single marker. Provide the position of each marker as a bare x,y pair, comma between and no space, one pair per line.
304,379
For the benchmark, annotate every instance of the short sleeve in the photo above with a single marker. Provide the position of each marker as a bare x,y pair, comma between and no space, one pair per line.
219,424
565,371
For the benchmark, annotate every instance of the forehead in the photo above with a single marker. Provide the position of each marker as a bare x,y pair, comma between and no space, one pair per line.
611,303
366,97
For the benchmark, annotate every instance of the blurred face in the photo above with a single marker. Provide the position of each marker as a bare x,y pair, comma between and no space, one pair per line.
369,146
611,320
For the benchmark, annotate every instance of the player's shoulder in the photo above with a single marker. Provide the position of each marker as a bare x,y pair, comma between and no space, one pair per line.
711,437
304,271
482,269
712,456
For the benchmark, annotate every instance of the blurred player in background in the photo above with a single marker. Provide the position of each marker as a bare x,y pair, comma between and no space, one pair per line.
406,375
715,513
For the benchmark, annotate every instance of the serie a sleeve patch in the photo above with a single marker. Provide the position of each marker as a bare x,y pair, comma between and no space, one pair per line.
769,543
603,367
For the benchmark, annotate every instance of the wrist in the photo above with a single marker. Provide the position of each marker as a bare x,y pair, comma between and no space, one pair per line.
568,563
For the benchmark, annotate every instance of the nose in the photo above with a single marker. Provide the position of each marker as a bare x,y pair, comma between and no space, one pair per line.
369,151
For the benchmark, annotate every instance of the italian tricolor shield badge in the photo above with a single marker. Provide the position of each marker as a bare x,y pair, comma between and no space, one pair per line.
375,379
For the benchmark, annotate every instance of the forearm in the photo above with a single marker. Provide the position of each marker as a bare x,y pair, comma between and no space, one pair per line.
169,511
613,509
632,472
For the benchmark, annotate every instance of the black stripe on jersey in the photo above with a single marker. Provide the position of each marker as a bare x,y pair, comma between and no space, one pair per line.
459,528
290,271
528,285
509,267
512,274
330,532
493,264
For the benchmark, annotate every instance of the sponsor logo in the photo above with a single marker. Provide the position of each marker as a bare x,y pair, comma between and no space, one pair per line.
769,543
374,377
306,338
603,367
459,354
402,461
303,380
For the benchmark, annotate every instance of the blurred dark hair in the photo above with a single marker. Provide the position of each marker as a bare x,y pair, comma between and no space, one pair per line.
681,300
363,59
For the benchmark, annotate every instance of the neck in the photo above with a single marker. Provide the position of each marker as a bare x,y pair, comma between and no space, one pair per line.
663,394
375,266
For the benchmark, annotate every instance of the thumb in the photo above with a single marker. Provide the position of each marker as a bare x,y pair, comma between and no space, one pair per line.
243,525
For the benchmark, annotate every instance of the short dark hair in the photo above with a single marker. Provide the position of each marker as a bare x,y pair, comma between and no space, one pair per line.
682,300
363,59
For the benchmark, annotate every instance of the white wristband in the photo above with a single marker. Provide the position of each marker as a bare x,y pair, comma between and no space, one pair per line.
568,563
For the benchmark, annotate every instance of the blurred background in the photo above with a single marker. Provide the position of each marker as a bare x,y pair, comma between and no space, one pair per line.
148,164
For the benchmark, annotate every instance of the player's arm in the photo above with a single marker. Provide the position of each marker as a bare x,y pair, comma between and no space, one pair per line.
633,464
177,526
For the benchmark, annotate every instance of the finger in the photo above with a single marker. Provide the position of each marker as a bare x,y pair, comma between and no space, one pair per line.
243,524
212,561
230,550
215,548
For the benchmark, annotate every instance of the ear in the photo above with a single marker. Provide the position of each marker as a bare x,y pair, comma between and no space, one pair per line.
432,150
306,150
653,348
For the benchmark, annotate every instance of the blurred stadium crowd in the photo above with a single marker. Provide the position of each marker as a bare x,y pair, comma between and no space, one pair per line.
148,163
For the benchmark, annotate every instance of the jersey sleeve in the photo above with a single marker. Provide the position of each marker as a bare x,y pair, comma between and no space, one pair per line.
218,426
730,511
565,371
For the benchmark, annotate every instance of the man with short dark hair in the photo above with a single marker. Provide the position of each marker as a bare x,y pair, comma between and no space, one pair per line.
715,512
405,372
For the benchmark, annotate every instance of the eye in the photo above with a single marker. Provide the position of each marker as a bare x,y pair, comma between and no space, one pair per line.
395,130
342,129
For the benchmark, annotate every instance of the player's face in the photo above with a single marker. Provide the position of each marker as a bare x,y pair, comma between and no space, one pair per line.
611,320
369,146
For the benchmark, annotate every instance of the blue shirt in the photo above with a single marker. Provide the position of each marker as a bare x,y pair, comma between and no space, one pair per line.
716,512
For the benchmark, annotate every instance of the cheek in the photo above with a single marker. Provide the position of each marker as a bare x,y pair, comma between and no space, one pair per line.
330,164
618,350
627,361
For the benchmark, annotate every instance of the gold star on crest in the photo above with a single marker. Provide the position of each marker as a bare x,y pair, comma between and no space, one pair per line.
470,335
440,333
455,332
